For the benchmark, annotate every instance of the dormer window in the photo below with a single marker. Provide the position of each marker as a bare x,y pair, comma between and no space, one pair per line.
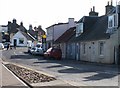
113,21
79,29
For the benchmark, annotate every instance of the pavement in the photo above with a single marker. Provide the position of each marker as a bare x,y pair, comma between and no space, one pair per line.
8,79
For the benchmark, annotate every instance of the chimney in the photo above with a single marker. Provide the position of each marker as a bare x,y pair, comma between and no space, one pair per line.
21,23
30,27
109,7
9,22
92,12
118,8
71,22
93,8
14,21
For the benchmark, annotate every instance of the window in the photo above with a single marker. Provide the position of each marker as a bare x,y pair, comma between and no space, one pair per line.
84,48
113,21
101,48
21,40
79,29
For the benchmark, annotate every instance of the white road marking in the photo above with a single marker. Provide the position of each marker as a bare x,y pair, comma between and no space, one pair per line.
20,52
14,75
15,53
67,67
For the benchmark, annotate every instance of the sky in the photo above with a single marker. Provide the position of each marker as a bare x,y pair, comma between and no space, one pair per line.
48,12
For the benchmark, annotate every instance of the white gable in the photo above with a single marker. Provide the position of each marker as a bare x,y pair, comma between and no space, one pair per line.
19,36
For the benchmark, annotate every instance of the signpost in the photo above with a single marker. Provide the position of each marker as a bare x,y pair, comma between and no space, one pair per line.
44,42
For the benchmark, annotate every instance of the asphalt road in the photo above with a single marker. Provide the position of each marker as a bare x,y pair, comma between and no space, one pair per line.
72,72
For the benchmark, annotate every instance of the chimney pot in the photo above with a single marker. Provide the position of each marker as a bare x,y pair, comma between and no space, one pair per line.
111,2
108,3
93,8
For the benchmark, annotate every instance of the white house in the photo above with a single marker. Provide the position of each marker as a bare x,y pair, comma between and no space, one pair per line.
100,42
56,30
21,39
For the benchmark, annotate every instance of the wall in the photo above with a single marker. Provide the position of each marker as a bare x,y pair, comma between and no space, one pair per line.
93,56
55,31
59,30
17,36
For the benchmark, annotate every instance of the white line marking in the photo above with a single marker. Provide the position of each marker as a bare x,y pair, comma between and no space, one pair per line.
20,52
15,53
67,67
14,75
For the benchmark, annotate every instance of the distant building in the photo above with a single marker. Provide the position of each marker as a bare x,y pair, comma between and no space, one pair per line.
36,32
21,38
56,30
4,33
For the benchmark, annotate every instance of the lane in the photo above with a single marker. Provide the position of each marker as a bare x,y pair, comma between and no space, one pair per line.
71,72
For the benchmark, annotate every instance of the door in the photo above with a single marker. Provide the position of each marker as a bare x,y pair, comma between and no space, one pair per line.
77,52
93,52
15,42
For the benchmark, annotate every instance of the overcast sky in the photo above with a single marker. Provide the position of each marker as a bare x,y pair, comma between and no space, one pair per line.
47,12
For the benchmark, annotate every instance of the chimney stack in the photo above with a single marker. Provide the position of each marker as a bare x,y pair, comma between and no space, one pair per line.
92,12
109,7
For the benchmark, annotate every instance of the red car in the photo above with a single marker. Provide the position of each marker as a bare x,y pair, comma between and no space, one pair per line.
53,53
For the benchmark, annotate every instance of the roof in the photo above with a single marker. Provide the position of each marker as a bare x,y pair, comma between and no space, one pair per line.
94,32
12,27
22,28
56,24
88,21
66,36
33,33
27,36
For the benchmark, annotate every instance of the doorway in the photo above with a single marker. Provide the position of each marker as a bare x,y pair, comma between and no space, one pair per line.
15,42
93,52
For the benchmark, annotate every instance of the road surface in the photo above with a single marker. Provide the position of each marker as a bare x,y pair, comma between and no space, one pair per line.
75,73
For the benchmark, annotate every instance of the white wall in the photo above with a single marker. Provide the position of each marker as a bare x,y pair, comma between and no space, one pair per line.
59,30
54,32
17,36
109,54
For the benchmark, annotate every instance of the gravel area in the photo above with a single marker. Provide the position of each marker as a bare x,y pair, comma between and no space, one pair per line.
29,76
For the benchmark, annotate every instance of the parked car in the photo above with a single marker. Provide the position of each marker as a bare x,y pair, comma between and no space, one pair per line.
6,44
1,46
36,50
53,53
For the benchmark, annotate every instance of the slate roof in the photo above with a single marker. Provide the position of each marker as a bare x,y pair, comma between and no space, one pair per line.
88,21
27,36
59,24
23,29
56,24
33,33
97,31
12,27
66,36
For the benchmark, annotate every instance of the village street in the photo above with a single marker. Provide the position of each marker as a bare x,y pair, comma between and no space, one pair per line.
75,73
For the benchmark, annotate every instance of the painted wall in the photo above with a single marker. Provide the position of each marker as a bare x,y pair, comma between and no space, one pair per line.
54,32
92,51
17,36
